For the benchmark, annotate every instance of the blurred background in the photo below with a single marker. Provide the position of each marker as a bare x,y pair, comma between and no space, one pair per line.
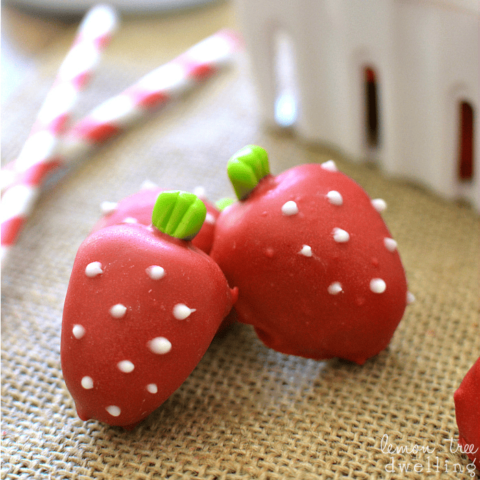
78,7
31,27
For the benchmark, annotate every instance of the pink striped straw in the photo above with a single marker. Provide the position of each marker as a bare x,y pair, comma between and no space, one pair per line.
114,116
22,177
38,152
148,94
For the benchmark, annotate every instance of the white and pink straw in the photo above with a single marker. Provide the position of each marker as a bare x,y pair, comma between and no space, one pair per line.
108,119
21,178
38,152
150,93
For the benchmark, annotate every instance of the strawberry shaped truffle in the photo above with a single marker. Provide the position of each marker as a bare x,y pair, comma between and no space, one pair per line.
137,208
142,307
467,411
318,272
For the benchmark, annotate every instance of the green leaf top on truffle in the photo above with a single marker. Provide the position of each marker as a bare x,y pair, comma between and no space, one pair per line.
246,168
179,214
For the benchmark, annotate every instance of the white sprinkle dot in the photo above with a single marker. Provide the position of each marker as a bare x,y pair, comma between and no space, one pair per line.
306,251
113,410
129,220
210,219
148,185
87,383
290,208
155,272
200,192
330,166
390,244
78,331
93,269
377,285
126,366
410,298
152,388
108,207
181,311
335,288
379,205
160,345
118,310
340,236
335,198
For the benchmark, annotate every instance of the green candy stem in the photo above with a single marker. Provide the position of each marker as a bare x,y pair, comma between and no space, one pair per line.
179,214
246,168
223,203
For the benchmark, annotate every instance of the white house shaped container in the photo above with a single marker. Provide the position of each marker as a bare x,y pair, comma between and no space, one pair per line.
396,81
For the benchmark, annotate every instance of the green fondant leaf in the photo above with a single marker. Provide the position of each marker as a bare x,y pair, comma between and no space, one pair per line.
246,168
179,214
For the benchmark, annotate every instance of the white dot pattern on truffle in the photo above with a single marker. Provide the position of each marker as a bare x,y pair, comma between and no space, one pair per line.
152,388
330,166
340,236
335,198
181,311
160,345
108,207
93,269
126,366
155,272
306,251
210,219
78,331
129,220
113,410
377,285
379,204
87,383
390,244
290,208
410,298
118,311
335,288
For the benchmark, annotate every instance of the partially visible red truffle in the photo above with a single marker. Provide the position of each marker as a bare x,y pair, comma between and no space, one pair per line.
467,411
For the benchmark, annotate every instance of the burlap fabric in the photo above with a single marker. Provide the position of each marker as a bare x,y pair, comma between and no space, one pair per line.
246,411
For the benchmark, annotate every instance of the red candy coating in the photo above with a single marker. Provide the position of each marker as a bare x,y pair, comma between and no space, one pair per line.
139,207
306,287
112,369
467,412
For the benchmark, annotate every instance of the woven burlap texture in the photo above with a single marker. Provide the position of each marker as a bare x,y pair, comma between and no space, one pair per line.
246,411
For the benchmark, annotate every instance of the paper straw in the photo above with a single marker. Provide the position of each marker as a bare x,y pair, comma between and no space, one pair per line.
151,92
38,152
39,156
148,94
114,116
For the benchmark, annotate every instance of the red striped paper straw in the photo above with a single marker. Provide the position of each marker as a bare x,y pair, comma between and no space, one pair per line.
151,92
116,115
148,94
38,152
22,177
